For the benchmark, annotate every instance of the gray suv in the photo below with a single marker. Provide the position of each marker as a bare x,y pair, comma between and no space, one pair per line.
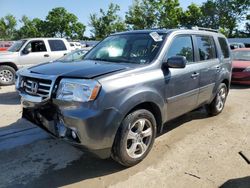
115,101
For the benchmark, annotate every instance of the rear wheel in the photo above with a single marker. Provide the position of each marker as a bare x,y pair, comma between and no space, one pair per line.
134,138
7,75
217,105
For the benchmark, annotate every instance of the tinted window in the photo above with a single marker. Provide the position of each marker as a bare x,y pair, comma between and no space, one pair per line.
36,46
206,47
182,46
224,47
57,45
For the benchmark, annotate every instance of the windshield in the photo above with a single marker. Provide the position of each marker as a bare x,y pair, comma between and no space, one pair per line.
129,48
73,56
17,46
241,55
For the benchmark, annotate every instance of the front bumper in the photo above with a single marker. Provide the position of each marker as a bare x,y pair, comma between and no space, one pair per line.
241,77
76,123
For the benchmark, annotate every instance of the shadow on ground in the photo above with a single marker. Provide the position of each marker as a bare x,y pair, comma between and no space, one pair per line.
237,183
238,86
9,98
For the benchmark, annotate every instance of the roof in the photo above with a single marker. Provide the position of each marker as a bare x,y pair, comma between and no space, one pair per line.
162,31
46,38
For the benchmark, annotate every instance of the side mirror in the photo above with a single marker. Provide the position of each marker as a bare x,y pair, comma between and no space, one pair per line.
176,62
26,51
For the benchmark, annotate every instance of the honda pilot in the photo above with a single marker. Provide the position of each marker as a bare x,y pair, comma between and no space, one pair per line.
116,100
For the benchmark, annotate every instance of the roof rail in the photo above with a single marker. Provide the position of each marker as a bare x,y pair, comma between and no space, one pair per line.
205,29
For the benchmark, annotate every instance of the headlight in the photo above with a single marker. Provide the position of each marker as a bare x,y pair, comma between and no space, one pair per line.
246,69
80,90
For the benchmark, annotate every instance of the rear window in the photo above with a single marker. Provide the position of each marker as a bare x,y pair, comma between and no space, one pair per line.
57,45
224,47
206,47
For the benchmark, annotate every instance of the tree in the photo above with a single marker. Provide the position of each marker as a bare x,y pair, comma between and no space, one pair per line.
154,13
191,17
8,27
107,23
61,23
169,12
224,14
31,28
141,15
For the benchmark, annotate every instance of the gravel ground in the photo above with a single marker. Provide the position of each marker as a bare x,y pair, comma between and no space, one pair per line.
194,151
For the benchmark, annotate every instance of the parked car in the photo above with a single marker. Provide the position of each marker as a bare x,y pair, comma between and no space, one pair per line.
75,45
237,45
76,55
29,52
4,45
241,66
118,98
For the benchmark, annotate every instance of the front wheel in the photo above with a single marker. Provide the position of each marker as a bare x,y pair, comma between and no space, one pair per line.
134,138
217,105
7,75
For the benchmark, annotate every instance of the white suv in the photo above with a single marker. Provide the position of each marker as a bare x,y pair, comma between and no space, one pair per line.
27,52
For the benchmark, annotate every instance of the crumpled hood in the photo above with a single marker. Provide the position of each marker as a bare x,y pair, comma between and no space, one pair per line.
83,69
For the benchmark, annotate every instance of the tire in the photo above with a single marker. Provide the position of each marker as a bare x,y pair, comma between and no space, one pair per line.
7,75
135,138
218,103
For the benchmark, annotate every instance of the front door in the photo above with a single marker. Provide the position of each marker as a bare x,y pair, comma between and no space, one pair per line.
37,54
182,85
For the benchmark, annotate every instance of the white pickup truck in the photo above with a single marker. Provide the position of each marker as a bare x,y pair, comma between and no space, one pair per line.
29,52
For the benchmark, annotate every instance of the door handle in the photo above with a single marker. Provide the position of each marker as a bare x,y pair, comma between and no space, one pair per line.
46,55
218,68
195,75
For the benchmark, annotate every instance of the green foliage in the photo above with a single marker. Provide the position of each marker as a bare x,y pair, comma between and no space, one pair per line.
191,17
60,23
107,23
154,13
224,14
7,27
169,13
31,28
141,15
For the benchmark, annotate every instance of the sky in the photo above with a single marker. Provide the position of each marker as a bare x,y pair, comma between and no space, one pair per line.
81,8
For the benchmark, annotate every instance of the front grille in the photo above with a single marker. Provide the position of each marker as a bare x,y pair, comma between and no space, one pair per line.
37,87
238,69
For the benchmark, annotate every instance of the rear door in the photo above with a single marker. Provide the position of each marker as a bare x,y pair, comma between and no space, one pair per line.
181,85
58,48
209,65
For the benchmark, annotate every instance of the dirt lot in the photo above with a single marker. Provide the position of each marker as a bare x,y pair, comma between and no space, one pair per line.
194,151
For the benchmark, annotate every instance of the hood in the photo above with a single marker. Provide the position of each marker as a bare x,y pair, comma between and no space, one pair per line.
241,64
7,54
83,69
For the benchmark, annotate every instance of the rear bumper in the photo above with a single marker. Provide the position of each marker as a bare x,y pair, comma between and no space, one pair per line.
77,124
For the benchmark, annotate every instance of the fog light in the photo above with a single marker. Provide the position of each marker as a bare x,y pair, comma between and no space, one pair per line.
73,134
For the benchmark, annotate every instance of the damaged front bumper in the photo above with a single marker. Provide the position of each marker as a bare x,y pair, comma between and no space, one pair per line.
77,123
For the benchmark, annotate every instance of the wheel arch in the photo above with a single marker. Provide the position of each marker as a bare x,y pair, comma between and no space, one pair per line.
13,65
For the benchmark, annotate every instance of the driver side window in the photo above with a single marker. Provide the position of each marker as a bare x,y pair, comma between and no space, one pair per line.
36,46
182,46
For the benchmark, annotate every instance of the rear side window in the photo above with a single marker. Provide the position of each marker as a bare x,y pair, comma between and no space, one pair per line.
224,47
206,47
57,45
182,46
